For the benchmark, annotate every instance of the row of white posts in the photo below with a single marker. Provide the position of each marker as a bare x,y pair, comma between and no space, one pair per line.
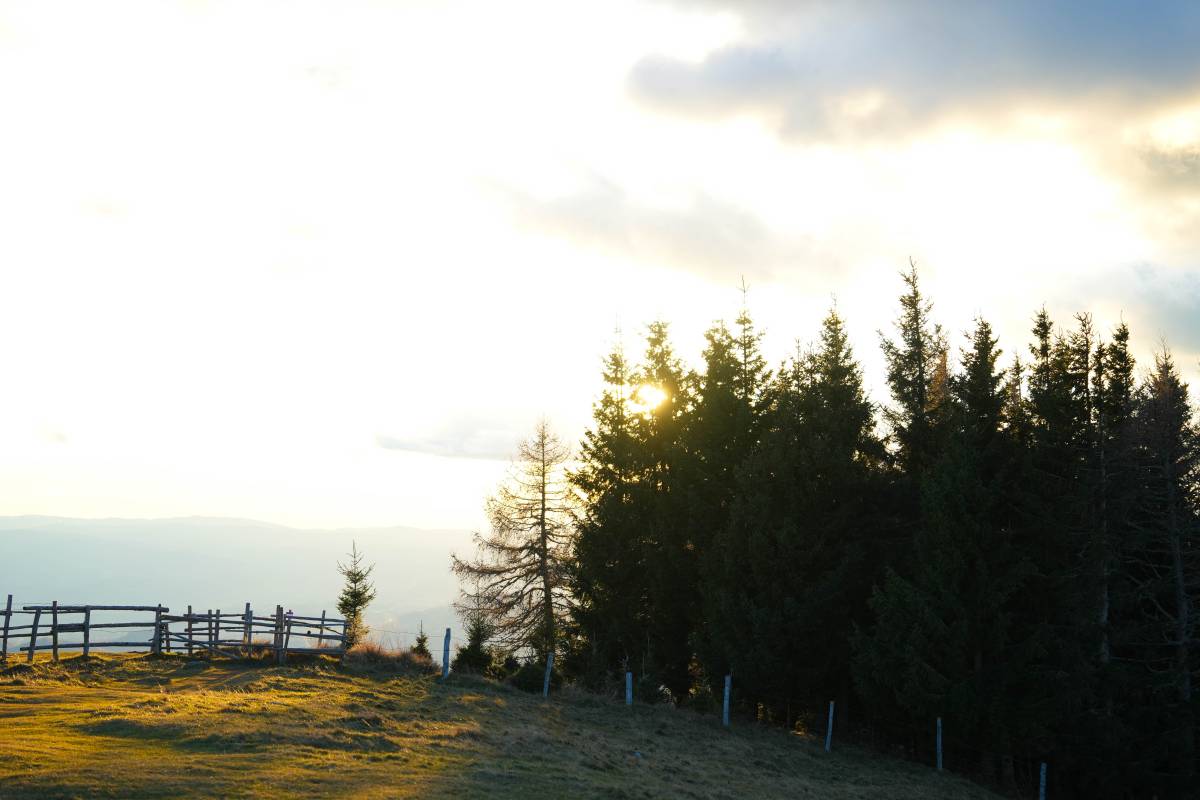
829,728
725,719
725,708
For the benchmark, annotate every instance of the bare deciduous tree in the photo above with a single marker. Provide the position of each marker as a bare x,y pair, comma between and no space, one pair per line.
518,578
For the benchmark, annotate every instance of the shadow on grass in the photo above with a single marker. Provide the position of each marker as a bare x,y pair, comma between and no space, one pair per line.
326,729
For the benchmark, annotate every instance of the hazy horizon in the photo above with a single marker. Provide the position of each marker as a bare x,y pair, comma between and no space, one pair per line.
223,563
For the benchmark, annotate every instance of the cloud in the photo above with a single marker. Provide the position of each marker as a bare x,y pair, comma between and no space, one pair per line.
53,435
1170,168
1159,305
706,237
461,438
1166,301
820,70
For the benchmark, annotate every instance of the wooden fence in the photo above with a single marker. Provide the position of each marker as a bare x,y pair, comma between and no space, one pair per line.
213,633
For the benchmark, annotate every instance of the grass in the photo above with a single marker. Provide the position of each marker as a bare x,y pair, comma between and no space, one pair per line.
142,727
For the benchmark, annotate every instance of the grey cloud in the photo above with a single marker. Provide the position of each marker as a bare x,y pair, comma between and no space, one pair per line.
824,69
463,438
1158,303
709,237
1166,168
1169,306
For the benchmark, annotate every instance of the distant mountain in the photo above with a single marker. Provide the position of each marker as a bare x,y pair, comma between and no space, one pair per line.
223,563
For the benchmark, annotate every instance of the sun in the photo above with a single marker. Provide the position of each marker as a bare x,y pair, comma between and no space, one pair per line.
647,397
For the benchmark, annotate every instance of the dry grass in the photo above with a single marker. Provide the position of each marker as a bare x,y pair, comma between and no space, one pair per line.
137,726
374,657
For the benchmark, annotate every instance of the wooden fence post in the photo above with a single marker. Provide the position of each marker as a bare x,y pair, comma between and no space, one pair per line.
549,669
278,634
189,631
37,616
628,688
829,729
1042,783
54,629
156,642
87,632
4,641
321,631
446,656
287,636
939,744
725,705
246,635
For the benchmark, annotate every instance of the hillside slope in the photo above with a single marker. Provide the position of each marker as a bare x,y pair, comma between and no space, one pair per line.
136,726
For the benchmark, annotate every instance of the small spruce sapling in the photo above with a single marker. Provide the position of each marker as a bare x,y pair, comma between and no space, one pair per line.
476,656
356,596
421,648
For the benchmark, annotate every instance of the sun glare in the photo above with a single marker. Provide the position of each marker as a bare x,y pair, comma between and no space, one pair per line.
646,398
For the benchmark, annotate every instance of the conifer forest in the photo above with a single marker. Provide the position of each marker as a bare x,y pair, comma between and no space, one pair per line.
1011,543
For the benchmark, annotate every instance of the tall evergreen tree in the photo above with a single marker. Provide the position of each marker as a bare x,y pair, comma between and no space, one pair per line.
1114,391
1163,562
610,611
794,566
916,373
944,641
721,432
663,465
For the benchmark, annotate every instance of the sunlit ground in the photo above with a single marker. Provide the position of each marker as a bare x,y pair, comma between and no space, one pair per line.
141,727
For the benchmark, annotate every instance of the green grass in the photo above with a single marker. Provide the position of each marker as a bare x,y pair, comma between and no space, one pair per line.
140,726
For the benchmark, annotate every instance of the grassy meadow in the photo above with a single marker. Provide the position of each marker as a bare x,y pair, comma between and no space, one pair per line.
142,726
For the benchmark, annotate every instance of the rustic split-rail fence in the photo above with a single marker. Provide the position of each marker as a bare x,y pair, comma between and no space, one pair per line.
232,634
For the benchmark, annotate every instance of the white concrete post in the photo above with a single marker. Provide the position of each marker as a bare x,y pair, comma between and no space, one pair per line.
446,656
829,729
549,669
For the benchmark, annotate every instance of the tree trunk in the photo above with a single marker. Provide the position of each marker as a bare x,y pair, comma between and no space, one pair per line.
544,555
1182,632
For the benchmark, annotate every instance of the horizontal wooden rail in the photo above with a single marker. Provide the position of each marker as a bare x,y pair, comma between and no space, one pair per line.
234,634
80,645
82,609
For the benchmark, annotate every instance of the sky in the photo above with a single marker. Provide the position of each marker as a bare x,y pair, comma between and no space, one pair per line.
324,263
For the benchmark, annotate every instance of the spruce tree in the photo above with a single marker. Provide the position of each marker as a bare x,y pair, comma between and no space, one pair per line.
944,642
421,646
662,462
610,607
916,373
1163,567
357,594
475,656
1113,479
795,563
721,433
